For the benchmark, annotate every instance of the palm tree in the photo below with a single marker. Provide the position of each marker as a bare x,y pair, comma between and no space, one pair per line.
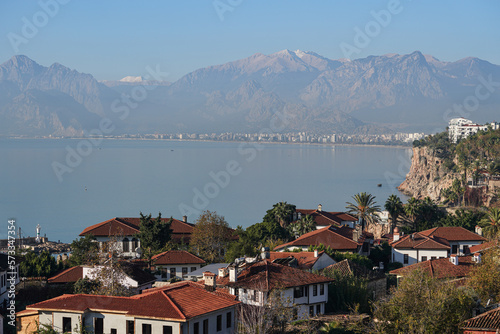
283,213
491,223
412,209
395,208
364,208
306,224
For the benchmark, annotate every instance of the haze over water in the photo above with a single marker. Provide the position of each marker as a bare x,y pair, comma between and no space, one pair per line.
121,178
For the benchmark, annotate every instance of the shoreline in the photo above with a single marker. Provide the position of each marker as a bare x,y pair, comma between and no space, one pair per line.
225,141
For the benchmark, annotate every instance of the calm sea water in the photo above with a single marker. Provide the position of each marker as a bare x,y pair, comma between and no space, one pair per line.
120,178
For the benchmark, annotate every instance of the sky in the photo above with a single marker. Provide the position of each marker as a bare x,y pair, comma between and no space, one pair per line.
116,38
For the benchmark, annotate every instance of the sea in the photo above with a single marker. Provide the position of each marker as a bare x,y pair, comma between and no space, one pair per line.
65,185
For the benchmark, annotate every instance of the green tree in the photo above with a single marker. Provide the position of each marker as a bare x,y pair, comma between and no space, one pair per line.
283,213
86,286
302,226
153,235
395,208
39,265
346,292
364,208
422,304
412,209
491,223
485,277
84,251
211,236
466,218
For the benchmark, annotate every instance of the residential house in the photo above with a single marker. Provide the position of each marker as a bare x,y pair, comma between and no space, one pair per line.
485,323
176,263
452,268
325,218
344,239
133,277
376,279
124,231
302,260
211,268
305,291
9,274
184,308
435,243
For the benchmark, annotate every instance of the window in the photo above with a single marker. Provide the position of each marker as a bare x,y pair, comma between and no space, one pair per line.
311,311
318,309
298,292
424,258
66,327
466,249
196,328
306,291
193,269
321,289
253,295
172,272
454,249
236,291
126,245
433,257
229,319
130,327
135,244
113,330
146,329
405,258
167,329
205,326
98,325
219,323
315,290
184,271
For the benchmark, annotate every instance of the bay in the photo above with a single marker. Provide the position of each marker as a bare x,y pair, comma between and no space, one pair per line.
120,178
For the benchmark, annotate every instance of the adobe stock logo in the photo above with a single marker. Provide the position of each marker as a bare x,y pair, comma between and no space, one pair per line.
30,28
363,37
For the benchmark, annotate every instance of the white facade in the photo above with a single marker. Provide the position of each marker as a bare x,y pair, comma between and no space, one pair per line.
459,128
126,245
411,256
216,322
5,284
309,300
462,247
180,271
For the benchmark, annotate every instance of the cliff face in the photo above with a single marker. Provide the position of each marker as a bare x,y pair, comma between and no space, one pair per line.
427,176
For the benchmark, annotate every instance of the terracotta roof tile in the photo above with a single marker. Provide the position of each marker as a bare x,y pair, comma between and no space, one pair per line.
69,275
325,218
483,246
336,238
305,260
181,301
488,321
419,241
440,268
453,233
347,268
265,275
176,257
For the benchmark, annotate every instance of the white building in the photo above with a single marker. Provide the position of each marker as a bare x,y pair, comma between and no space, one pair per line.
305,291
183,308
459,128
435,243
176,263
8,277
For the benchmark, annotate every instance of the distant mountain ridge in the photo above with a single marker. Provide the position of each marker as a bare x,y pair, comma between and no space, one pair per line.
407,92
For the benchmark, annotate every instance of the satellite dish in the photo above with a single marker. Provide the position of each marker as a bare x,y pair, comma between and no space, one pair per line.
138,250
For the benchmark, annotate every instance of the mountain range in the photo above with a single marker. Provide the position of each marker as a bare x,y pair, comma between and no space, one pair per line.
377,94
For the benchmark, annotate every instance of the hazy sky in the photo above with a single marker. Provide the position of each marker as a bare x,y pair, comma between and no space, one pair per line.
113,39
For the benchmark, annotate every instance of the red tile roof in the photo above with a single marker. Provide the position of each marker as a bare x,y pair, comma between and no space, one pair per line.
265,275
348,268
453,233
488,321
180,302
325,218
338,238
305,260
69,275
484,246
440,268
176,257
129,226
419,241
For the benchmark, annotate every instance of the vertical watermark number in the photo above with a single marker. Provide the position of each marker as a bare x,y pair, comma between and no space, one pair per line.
11,272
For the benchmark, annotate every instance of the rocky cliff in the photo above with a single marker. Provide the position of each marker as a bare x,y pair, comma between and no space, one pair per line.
427,176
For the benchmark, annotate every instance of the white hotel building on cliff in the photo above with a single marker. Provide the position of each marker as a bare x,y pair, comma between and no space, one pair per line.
462,128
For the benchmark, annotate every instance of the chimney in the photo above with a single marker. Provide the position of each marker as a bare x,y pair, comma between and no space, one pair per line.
185,219
395,236
320,207
454,259
210,281
356,233
477,258
265,253
232,274
315,253
478,230
222,272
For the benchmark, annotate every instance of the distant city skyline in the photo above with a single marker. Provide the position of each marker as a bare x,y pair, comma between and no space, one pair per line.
114,39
